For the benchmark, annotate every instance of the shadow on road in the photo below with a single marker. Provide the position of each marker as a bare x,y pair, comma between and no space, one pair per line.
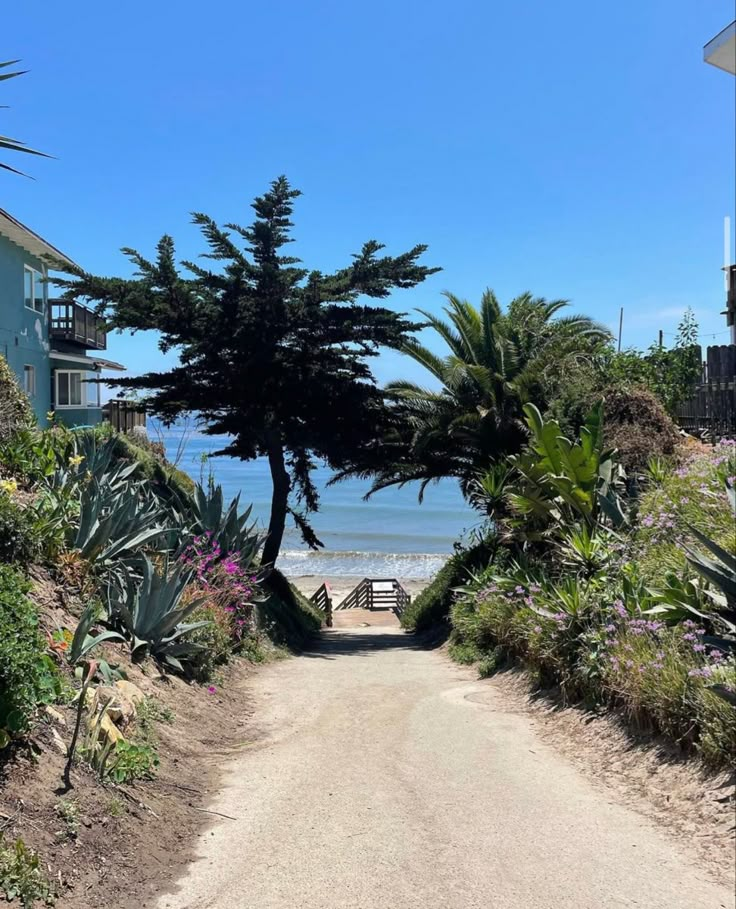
337,642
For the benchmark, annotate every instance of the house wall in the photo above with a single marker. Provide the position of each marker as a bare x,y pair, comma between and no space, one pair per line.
24,334
75,416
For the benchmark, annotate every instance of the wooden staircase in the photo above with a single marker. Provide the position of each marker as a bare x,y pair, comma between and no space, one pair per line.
370,593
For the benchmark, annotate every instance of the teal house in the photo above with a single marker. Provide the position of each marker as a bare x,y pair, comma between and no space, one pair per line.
51,345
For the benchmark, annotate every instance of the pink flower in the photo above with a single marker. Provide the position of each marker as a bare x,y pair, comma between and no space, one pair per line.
212,689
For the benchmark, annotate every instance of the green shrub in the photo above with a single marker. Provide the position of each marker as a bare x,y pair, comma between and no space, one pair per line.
662,678
21,876
15,408
575,636
28,676
152,463
285,614
432,606
18,538
33,454
131,761
214,637
689,496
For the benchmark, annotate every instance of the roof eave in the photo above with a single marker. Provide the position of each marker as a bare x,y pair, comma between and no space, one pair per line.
33,243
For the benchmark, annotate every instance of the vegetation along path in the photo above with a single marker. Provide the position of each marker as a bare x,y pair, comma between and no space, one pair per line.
384,776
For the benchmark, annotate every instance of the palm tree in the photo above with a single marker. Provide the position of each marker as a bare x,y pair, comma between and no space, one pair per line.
5,141
497,362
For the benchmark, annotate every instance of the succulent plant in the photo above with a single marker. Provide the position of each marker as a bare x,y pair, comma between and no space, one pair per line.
150,613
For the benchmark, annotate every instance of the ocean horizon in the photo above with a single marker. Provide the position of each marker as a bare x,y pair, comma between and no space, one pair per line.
389,535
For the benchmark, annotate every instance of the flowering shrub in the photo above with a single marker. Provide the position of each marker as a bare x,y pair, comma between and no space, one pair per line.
691,496
228,587
229,593
574,636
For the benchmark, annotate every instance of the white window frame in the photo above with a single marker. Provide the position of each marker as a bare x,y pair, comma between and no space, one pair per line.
36,277
29,379
87,400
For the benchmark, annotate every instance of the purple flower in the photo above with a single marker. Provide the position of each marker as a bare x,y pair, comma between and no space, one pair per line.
648,521
699,648
212,689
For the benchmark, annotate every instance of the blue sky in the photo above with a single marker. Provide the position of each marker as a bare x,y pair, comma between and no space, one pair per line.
577,150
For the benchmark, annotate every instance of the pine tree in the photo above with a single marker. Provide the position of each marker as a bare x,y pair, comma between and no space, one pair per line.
271,354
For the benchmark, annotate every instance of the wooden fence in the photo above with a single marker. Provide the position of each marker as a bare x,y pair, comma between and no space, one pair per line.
711,410
124,415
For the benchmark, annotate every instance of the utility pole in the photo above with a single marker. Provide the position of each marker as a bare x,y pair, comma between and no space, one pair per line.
661,339
620,327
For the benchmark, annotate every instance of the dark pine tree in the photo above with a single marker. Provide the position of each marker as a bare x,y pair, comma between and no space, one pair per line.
272,354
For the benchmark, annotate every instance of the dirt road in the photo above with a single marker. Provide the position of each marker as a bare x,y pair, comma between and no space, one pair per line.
387,778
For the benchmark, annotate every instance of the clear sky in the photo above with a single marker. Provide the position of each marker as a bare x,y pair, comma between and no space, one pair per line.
574,149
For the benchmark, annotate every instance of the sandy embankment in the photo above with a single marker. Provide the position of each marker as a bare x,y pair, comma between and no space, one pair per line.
341,586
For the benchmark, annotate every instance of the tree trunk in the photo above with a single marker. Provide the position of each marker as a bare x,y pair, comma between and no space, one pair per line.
279,503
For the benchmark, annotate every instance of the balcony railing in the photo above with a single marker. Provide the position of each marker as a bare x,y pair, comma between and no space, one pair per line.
72,322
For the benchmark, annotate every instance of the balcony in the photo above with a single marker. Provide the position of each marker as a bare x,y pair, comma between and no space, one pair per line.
72,322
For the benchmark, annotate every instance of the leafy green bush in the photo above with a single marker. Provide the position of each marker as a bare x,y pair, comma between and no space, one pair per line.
28,676
285,614
21,876
153,466
213,636
32,454
131,761
15,408
432,606
690,496
18,537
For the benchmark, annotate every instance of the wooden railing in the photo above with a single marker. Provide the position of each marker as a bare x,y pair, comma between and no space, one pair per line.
322,598
377,593
72,322
123,415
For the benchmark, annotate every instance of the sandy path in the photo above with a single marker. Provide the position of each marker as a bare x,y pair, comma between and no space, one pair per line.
387,778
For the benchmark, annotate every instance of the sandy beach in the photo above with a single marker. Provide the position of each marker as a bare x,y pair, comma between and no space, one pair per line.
341,586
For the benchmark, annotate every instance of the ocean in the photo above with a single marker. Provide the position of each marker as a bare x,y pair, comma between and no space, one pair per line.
389,535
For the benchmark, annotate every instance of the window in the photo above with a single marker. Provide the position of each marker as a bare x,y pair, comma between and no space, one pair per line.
29,380
73,389
92,390
34,288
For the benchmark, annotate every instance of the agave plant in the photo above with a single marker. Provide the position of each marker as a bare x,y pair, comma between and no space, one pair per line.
100,460
114,523
151,616
204,512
